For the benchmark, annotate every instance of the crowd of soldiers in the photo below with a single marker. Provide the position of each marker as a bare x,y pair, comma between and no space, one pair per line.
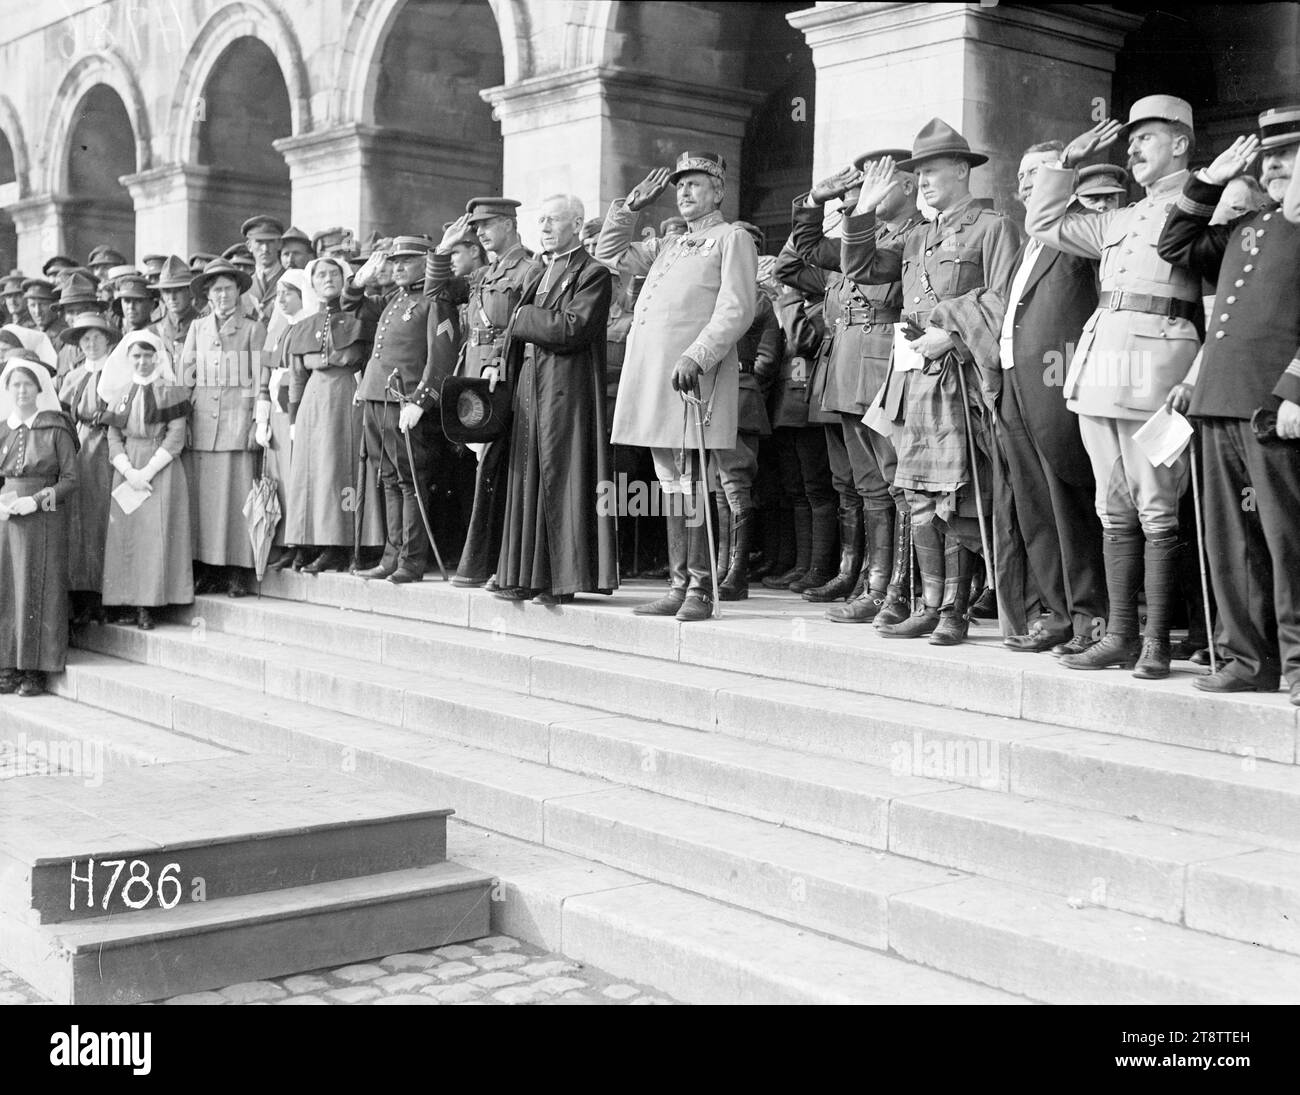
914,412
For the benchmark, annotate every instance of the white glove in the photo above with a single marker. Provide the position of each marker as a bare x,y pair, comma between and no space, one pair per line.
410,416
157,462
21,507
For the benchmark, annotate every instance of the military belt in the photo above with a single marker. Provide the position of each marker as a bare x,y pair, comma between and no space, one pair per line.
1116,301
483,336
867,316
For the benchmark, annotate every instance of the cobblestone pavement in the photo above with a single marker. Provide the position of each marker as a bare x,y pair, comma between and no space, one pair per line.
494,970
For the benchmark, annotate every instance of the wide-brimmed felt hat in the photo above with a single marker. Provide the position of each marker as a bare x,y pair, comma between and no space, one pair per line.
896,154
938,138
471,412
333,239
200,259
484,209
1102,178
295,235
1279,126
410,245
175,274
79,288
262,226
711,163
220,268
1159,108
83,323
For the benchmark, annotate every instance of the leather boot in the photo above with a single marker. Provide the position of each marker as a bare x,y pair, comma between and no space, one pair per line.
778,542
332,558
877,560
392,535
698,604
1122,551
723,539
959,572
1160,567
825,542
801,530
677,576
840,586
735,586
898,597
929,557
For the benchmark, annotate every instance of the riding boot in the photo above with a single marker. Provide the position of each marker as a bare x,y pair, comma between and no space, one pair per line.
778,542
825,539
1122,551
928,543
801,534
723,509
954,617
898,596
876,562
677,576
735,586
698,604
841,585
1160,563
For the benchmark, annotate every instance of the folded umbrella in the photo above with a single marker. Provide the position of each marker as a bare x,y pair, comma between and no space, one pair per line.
262,515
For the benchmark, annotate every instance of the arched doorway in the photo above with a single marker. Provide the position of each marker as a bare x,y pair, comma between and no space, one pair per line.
101,148
8,195
244,108
437,138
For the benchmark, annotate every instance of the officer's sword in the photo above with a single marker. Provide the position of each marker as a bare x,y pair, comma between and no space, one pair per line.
393,379
696,402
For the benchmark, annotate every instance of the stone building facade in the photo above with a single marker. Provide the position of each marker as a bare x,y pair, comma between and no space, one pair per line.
158,125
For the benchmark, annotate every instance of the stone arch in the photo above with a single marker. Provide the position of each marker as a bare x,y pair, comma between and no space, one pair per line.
592,37
245,19
11,127
109,69
368,31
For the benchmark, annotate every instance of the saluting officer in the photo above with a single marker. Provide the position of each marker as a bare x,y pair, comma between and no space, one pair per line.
1254,331
1139,343
414,351
490,295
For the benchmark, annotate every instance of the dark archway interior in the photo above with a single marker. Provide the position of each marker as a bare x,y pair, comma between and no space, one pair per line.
101,149
8,195
244,108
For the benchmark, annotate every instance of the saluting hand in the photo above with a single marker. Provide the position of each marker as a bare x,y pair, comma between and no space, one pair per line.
835,186
1232,161
648,189
457,231
878,182
1102,135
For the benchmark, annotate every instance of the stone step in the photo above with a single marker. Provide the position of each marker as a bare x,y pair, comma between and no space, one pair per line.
200,831
1252,801
1038,946
166,952
781,637
738,859
55,736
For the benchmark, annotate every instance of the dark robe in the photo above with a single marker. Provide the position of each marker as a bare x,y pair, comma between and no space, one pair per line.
554,539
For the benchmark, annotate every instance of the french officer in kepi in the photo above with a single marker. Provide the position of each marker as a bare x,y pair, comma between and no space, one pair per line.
490,296
1251,362
1139,343
699,298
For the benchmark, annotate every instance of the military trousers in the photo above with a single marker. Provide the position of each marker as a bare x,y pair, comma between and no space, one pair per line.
734,470
404,476
1252,533
1131,494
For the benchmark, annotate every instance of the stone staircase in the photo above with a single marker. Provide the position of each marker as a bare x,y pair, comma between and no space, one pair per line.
768,807
139,883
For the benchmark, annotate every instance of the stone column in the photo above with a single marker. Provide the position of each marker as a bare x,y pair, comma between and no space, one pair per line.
39,225
596,131
1006,77
367,178
169,203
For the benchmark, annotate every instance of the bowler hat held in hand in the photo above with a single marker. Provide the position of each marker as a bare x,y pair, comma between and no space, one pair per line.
472,411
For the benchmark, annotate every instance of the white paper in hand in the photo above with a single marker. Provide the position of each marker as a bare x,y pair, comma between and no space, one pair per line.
907,359
129,498
1163,437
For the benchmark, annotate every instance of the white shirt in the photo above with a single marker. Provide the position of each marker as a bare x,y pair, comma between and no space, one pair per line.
1032,250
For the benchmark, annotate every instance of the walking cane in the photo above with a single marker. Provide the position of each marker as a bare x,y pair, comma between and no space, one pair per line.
698,403
1200,552
359,499
975,474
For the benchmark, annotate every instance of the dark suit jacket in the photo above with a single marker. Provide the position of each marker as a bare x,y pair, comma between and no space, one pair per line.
1057,300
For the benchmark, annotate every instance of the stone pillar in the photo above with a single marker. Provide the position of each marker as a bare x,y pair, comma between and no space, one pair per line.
1006,77
596,131
169,209
39,225
367,178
